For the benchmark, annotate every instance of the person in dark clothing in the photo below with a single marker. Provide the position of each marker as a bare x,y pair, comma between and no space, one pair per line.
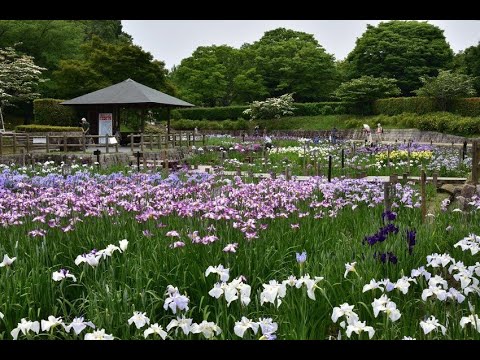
333,135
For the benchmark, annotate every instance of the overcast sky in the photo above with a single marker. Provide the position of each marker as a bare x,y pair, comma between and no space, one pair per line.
173,40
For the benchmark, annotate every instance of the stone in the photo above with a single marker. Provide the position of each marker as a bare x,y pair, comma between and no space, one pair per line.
448,188
461,202
468,191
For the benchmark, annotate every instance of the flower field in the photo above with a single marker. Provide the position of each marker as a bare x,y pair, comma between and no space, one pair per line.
129,255
303,155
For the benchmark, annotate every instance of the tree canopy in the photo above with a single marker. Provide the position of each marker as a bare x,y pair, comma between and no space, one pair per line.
402,50
217,76
364,90
19,77
446,86
468,62
104,64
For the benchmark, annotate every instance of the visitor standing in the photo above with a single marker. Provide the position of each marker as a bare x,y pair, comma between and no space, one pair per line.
85,125
268,142
379,133
333,135
368,135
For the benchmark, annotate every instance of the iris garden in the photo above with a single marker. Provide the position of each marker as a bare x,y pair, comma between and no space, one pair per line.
151,255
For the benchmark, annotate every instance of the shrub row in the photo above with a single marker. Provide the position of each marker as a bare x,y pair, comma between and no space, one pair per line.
236,112
50,112
46,128
424,105
395,106
210,125
443,122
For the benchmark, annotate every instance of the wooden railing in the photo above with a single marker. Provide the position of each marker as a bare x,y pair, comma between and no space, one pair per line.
17,143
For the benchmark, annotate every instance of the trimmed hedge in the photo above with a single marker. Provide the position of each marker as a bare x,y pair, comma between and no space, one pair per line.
443,122
46,128
210,125
466,107
213,113
50,112
236,112
395,106
425,105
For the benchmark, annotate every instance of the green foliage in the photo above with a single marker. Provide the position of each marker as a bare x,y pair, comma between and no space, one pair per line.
48,41
395,106
465,106
50,112
235,112
438,121
404,50
212,113
468,62
217,76
364,90
46,128
272,108
104,64
19,77
446,86
210,125
294,62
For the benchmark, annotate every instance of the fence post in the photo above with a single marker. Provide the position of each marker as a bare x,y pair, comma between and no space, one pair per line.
28,143
464,153
14,143
166,141
193,135
423,181
1,144
180,139
47,145
141,142
475,156
203,139
131,143
22,151
435,179
343,158
151,142
329,168
107,146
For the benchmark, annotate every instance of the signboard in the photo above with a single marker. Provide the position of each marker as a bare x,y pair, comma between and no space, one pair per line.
105,122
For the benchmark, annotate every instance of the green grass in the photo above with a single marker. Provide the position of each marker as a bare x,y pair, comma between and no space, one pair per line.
136,280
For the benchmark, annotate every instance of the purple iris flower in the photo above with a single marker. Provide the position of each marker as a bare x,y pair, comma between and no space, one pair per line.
411,241
301,258
389,215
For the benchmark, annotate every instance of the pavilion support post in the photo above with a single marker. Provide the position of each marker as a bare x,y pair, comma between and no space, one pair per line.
168,120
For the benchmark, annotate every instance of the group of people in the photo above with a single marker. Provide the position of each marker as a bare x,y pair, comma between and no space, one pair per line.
368,134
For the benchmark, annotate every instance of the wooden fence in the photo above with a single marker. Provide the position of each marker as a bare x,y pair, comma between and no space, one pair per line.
17,143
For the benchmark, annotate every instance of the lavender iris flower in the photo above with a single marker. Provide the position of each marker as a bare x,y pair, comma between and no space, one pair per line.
301,258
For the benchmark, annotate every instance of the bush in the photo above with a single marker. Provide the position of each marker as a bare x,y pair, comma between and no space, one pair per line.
396,106
466,106
212,113
50,112
46,128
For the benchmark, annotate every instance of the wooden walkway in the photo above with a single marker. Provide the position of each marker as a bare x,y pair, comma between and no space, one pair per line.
383,179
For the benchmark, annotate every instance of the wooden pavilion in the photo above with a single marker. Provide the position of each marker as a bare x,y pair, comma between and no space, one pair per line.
102,107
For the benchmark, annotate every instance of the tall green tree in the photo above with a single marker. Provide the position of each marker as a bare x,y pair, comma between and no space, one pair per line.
48,41
468,62
446,87
366,89
217,76
104,64
107,30
402,50
294,62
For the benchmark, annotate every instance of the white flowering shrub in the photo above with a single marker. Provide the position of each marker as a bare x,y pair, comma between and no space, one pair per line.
272,108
